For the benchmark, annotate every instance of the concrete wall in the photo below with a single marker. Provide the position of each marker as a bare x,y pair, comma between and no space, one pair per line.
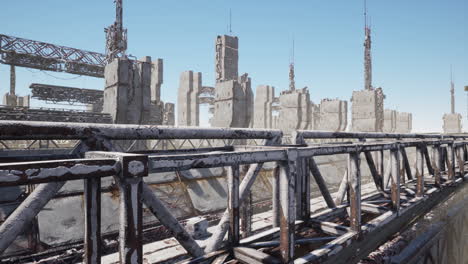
233,104
227,57
188,112
390,120
333,115
452,123
367,111
404,122
264,96
295,110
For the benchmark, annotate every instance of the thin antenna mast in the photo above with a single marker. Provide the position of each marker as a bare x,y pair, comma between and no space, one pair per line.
230,21
116,35
367,52
292,83
452,92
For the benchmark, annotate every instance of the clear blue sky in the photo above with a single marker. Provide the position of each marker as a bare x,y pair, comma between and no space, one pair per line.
414,44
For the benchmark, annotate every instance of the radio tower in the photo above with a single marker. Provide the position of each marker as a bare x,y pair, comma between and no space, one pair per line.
367,52
116,35
292,84
452,93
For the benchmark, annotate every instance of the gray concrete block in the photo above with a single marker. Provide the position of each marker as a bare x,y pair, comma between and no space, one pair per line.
452,123
367,110
197,227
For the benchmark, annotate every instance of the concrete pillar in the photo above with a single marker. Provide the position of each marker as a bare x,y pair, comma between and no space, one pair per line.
367,110
169,114
156,80
264,96
294,111
404,122
390,121
227,57
452,123
188,111
333,115
233,104
127,90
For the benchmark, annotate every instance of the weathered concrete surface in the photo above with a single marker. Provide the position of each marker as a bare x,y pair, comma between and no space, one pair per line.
294,111
233,106
390,120
404,122
169,114
452,123
333,115
190,85
126,94
227,58
9,99
263,112
156,79
367,110
129,90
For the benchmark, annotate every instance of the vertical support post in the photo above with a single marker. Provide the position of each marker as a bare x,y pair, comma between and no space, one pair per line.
436,157
92,205
354,183
276,196
461,163
12,81
233,205
451,162
131,222
395,189
381,166
287,182
419,171
129,180
246,209
305,189
246,215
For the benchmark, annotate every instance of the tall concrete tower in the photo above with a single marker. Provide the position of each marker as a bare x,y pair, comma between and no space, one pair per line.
292,83
367,53
452,93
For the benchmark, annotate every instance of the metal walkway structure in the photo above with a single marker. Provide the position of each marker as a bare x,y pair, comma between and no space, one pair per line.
348,230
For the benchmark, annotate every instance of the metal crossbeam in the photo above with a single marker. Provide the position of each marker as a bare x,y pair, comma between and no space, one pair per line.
50,57
71,95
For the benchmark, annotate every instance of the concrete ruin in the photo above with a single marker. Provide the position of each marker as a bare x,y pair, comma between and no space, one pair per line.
452,121
129,89
367,110
294,113
263,111
233,102
333,115
404,122
188,110
11,99
397,122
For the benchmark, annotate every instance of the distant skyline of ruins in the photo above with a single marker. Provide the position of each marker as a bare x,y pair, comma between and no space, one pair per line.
414,45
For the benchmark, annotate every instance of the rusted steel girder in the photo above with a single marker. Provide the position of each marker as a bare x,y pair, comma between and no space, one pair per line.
50,57
16,130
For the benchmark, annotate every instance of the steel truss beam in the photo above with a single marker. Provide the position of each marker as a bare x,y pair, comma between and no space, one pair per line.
71,95
50,57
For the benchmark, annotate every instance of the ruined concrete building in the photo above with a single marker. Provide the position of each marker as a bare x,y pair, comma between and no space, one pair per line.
452,121
188,110
233,102
11,99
